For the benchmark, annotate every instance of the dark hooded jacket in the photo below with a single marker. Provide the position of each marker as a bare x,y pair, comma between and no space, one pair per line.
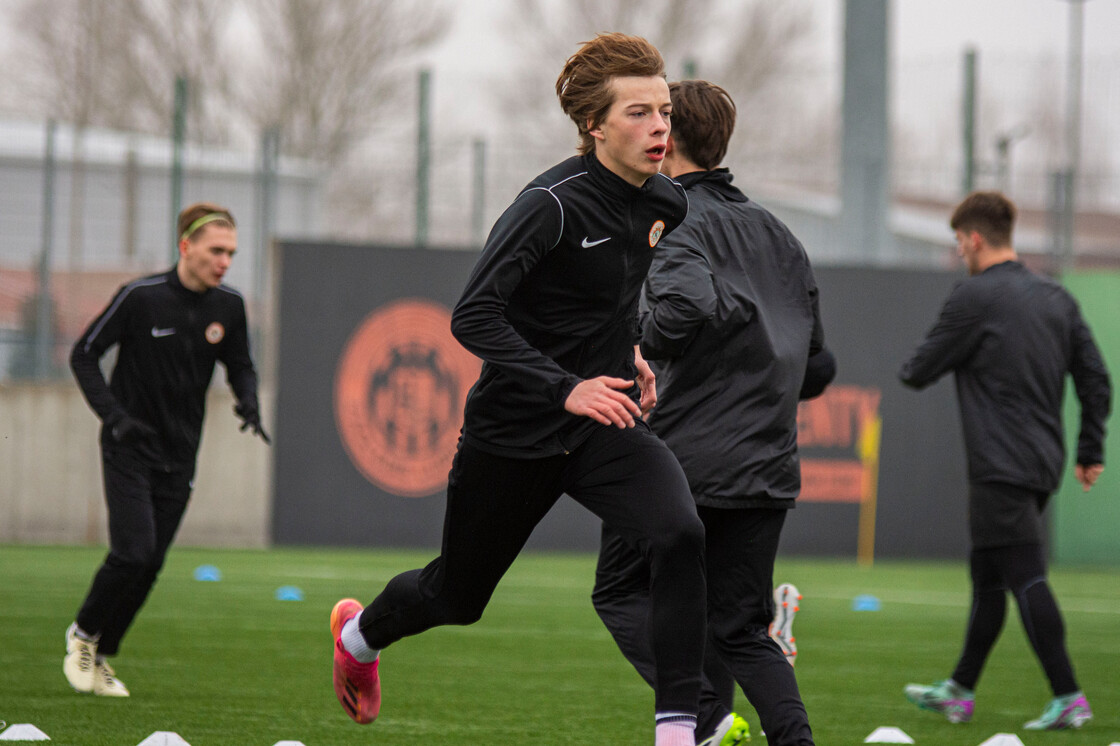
731,321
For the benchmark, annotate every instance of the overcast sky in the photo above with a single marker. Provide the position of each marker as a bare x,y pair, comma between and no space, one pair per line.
921,29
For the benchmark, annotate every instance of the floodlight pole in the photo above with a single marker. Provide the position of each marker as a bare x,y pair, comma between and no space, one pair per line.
423,158
44,338
178,135
968,117
478,201
1075,52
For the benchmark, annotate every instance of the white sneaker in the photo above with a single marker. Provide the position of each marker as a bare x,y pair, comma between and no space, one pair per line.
106,683
786,603
79,663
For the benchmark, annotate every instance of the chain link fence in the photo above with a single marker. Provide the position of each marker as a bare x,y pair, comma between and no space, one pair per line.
96,210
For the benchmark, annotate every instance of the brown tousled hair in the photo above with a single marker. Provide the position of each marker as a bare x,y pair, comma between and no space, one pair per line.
198,210
584,85
990,214
703,120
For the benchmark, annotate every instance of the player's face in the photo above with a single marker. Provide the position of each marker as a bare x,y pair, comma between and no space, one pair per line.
205,257
966,248
630,140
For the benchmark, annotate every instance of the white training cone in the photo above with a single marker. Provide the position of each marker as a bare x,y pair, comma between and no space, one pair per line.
163,738
1003,739
888,734
23,732
288,743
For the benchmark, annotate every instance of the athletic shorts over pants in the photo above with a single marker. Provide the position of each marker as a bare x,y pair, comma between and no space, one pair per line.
629,479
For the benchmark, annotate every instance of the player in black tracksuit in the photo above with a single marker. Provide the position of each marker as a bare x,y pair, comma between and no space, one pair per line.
551,308
169,336
1010,337
731,324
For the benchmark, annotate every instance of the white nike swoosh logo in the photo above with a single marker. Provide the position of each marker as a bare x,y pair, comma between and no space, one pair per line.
588,244
157,332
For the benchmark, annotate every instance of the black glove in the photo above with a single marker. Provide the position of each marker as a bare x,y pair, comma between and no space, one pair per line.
251,419
126,429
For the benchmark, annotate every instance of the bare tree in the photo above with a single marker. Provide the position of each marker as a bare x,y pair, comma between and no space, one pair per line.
321,71
331,69
746,48
113,63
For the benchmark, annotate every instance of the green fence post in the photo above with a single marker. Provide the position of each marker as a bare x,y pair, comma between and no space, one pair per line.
178,135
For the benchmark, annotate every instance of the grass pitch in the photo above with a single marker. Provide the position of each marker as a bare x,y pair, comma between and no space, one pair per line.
226,663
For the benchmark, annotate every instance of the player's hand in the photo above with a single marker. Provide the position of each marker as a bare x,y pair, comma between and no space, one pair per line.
602,399
251,419
1087,474
647,382
131,430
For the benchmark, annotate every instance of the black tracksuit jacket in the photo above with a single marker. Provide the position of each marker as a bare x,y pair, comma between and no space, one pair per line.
730,320
553,300
170,338
1010,336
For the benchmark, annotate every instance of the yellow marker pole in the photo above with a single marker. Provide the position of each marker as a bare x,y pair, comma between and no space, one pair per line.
868,447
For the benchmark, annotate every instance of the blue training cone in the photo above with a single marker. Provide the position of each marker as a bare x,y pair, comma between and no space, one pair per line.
289,593
207,573
866,603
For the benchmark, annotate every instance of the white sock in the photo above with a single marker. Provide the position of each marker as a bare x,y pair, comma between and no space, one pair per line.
676,733
81,634
355,644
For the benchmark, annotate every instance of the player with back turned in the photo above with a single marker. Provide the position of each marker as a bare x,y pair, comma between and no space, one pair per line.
732,322
1010,337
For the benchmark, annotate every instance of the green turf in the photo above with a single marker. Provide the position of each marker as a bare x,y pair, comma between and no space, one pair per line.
226,663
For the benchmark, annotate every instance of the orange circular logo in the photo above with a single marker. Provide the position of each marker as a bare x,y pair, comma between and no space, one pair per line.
215,333
655,232
398,396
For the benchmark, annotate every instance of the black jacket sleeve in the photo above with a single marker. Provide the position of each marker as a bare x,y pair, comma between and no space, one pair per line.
525,232
240,373
104,332
949,343
680,295
1094,392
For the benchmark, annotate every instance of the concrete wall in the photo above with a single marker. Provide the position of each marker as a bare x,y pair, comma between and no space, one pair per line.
50,472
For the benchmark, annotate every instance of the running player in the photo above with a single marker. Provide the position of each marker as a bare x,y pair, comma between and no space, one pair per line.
170,330
551,308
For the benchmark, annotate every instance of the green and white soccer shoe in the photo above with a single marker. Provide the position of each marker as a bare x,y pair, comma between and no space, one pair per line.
1070,711
947,697
731,731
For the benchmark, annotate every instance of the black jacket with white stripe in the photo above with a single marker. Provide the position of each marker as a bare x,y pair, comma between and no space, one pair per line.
553,300
169,339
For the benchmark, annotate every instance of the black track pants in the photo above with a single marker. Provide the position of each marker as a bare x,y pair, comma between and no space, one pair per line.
1021,570
146,506
740,549
629,479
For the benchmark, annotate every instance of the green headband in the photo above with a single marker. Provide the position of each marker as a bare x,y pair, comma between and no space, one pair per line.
208,218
